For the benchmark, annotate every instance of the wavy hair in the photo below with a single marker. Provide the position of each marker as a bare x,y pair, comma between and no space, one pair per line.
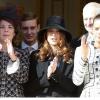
63,49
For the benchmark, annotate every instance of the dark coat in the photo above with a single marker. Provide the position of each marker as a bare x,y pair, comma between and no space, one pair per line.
59,85
31,86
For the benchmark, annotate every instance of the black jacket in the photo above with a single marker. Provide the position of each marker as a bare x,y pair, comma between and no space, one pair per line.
59,85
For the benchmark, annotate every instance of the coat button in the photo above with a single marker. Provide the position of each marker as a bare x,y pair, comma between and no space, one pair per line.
96,69
97,56
97,76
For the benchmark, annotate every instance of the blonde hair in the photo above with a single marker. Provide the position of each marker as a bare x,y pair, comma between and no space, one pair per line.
92,6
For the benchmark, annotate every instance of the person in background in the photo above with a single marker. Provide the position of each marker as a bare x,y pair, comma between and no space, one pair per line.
87,63
14,63
90,10
30,26
53,62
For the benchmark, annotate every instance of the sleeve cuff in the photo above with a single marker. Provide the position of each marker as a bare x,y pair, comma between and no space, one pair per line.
13,66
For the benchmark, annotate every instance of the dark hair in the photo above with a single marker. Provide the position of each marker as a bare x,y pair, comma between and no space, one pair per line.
10,14
29,16
13,23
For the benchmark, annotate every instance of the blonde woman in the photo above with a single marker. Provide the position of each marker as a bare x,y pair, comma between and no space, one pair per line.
87,63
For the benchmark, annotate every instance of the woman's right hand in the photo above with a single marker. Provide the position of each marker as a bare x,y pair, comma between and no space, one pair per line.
52,67
10,50
84,47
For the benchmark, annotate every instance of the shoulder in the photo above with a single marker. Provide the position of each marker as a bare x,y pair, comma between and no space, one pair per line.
70,61
78,49
76,42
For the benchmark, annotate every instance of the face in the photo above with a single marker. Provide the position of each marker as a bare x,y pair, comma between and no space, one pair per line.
30,29
53,36
6,30
96,30
88,17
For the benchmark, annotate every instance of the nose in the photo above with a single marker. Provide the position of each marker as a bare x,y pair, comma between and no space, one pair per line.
29,31
5,29
89,22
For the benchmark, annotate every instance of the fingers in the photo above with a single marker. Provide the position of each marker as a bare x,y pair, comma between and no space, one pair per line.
9,46
83,40
55,59
84,47
49,72
52,67
54,62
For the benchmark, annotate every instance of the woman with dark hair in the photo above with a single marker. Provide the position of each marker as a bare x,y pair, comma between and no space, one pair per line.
13,62
53,62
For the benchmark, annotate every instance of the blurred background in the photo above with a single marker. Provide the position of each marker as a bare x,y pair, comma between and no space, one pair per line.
71,10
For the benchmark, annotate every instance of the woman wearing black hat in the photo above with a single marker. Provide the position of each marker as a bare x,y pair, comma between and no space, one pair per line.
13,62
53,62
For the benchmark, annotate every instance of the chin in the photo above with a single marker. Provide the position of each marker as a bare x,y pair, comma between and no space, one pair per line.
54,43
89,30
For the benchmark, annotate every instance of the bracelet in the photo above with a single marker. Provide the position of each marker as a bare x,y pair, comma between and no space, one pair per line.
14,60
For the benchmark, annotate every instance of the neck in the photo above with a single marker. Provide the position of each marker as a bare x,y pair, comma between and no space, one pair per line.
30,43
54,48
90,33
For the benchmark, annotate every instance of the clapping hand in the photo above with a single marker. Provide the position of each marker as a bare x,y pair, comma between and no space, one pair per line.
52,67
10,49
84,47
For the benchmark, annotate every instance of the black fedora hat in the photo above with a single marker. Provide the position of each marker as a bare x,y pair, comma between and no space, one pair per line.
54,22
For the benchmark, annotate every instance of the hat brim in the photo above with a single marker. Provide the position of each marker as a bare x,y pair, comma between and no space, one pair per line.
43,31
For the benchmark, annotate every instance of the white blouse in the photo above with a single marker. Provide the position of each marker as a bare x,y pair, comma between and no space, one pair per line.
13,66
